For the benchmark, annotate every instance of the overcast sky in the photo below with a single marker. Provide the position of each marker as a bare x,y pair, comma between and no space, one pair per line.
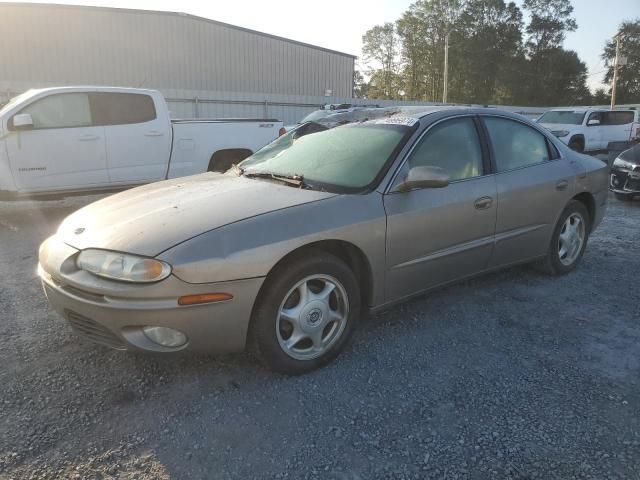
339,24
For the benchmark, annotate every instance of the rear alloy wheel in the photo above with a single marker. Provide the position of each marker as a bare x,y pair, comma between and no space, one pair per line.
306,313
569,240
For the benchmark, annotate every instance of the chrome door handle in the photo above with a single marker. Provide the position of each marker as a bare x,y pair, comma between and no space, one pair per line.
88,138
483,203
153,133
562,185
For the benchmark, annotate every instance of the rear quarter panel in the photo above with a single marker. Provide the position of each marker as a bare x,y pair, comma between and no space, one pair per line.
596,182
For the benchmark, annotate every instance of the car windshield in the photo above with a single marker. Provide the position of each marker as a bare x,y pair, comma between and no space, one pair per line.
562,117
317,115
347,157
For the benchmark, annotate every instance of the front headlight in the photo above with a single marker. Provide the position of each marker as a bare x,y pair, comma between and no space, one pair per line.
622,164
560,133
122,266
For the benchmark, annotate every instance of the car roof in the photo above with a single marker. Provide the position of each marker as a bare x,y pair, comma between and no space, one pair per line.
405,115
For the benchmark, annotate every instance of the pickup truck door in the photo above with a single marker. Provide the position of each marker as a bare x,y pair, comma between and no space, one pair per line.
616,126
138,140
593,135
63,150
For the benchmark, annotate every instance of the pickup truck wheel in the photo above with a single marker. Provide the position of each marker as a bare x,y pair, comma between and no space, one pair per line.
305,314
577,144
222,160
568,241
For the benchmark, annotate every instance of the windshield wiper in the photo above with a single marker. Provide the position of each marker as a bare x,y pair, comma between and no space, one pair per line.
294,180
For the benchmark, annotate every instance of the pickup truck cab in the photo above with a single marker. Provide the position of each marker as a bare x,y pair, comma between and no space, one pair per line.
90,138
591,129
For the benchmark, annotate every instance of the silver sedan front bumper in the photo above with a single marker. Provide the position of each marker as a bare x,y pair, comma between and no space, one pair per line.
113,313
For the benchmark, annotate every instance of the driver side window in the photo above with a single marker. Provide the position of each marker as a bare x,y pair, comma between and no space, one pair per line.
62,110
452,145
595,116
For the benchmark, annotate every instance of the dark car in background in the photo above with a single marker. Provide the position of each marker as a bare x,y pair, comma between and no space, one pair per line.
625,174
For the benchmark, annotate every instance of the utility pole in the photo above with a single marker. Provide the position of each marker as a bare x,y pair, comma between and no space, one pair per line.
615,71
446,68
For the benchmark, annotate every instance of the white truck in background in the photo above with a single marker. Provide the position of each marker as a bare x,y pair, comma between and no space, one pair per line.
591,129
68,139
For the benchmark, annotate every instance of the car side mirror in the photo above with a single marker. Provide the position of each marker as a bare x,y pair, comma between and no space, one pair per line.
424,177
592,123
22,121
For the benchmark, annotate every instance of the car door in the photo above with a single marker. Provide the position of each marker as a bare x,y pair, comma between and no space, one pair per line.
436,235
138,140
63,149
593,134
533,187
617,126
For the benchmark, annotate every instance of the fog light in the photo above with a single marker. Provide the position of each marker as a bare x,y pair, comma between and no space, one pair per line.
167,337
616,181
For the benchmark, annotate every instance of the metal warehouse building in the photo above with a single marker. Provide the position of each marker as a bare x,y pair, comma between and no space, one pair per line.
204,67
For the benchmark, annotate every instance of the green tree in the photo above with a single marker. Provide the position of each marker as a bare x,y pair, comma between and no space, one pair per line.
553,76
549,22
380,49
628,88
360,89
486,41
601,97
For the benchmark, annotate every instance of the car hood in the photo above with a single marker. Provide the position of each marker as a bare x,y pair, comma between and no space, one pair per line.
150,219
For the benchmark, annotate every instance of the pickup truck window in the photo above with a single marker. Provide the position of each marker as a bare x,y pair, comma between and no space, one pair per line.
121,108
617,118
562,117
64,110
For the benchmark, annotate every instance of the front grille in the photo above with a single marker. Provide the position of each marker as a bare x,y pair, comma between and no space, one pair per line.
91,330
633,184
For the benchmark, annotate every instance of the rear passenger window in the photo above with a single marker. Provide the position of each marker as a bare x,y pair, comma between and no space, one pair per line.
617,118
452,145
121,108
515,145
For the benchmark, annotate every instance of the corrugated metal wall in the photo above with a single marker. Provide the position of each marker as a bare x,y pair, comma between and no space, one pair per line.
43,45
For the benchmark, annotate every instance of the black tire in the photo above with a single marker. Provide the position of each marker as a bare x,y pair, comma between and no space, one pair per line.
624,197
552,264
577,144
263,339
222,161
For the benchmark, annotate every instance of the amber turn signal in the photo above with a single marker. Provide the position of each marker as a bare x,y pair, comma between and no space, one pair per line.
204,298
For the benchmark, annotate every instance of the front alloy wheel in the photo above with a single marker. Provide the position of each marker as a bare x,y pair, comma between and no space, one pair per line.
305,313
312,317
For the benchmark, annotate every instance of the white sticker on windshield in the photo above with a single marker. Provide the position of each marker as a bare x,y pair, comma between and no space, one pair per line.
397,120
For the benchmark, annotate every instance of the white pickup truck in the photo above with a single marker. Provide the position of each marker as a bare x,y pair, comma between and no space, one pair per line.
591,129
69,139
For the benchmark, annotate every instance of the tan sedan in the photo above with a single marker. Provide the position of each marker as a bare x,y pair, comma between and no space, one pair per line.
284,252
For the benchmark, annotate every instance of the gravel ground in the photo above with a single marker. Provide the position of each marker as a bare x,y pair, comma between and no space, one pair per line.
511,375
